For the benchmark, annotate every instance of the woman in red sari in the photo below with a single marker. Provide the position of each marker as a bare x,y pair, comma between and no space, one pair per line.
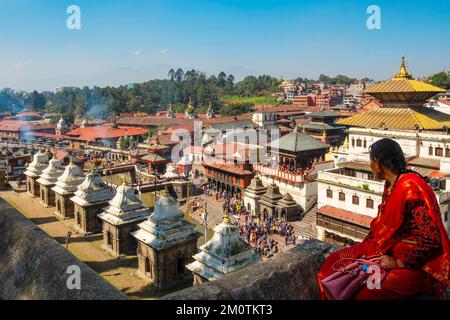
408,233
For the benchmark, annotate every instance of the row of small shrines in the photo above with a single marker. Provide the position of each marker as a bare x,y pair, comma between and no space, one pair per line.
166,244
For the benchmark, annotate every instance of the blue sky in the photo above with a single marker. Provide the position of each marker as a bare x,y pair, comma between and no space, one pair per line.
132,41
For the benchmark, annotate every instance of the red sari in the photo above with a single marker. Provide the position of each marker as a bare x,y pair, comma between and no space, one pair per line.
408,227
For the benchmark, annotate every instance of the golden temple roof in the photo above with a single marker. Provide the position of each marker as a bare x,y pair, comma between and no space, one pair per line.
403,82
403,99
412,118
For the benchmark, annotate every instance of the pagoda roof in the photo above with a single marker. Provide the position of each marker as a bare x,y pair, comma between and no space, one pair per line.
411,118
403,85
322,126
403,88
272,195
232,125
166,227
224,253
256,186
51,174
297,141
92,191
288,202
124,208
323,114
154,158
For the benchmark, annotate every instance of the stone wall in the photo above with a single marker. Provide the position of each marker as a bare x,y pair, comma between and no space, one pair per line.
34,266
290,276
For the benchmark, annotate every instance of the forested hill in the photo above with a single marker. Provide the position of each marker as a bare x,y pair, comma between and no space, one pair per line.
227,96
148,97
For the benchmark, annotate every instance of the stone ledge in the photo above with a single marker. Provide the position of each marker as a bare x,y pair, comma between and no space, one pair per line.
290,276
33,265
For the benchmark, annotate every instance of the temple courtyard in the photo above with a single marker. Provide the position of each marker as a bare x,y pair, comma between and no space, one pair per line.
215,217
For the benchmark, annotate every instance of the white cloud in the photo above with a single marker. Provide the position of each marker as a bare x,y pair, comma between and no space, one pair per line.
136,53
21,65
161,52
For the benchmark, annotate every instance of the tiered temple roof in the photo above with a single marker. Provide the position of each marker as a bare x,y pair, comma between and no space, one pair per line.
39,163
166,227
92,191
403,100
256,186
298,142
69,181
124,208
287,202
272,196
51,174
226,252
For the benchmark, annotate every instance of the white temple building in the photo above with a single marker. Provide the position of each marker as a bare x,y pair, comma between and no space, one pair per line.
61,127
64,189
89,200
47,181
34,171
167,243
121,217
226,252
349,195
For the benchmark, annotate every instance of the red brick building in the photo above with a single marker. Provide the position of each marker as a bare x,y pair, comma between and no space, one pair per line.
228,167
12,129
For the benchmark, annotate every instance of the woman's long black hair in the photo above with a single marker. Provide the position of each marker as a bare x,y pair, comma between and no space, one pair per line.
390,154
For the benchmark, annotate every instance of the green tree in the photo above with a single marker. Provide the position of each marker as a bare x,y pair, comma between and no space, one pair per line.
179,75
37,101
234,110
441,80
171,74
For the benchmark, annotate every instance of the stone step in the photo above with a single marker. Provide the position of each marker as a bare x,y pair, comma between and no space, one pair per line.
310,216
305,230
307,226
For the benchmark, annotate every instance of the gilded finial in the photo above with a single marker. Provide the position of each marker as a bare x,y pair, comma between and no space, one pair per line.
346,143
403,74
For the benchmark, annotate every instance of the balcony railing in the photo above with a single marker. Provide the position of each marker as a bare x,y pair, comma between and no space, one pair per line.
278,174
353,182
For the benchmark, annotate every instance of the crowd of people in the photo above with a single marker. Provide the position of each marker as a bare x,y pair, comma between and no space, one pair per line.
257,229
